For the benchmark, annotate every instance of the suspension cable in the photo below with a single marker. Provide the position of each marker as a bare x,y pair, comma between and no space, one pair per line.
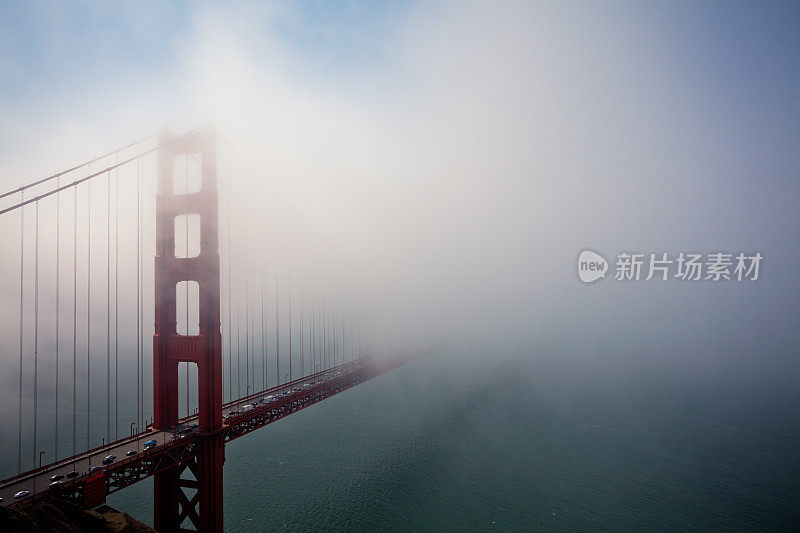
263,304
277,330
116,306
246,307
89,317
75,323
302,329
21,322
91,176
108,308
238,336
138,296
313,329
290,322
351,332
335,338
35,330
58,309
230,323
141,307
188,408
76,167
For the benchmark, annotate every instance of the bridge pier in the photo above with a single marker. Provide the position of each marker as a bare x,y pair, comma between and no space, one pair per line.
192,490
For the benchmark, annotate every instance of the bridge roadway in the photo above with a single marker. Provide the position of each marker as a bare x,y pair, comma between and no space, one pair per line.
37,481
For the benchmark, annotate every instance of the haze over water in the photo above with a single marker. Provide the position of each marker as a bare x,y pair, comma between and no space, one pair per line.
434,446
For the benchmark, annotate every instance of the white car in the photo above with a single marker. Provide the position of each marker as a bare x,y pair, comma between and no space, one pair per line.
21,494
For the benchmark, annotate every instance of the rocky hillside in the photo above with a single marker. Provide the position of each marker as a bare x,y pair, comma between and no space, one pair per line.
59,515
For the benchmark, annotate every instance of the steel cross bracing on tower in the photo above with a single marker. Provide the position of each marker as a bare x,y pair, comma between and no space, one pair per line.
197,294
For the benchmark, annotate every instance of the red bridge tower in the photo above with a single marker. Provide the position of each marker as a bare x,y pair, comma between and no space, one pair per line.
193,489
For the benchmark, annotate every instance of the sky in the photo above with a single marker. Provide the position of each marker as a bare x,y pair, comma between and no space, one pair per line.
455,157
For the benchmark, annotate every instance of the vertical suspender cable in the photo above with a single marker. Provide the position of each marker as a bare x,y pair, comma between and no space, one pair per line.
313,330
58,310
230,336
141,306
302,326
75,324
21,323
290,325
246,307
108,308
138,297
88,316
238,339
335,338
277,336
116,306
35,330
263,338
186,210
351,333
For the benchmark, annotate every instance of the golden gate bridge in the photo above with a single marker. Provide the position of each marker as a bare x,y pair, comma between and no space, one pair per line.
238,342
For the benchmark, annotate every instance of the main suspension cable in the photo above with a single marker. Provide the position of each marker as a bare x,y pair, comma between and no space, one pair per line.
76,167
91,176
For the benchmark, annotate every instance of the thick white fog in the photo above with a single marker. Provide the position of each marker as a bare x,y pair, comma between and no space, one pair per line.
446,179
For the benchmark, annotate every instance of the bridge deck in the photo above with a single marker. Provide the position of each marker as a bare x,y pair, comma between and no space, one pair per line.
173,448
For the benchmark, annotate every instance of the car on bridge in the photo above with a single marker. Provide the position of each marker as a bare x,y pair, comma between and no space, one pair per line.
21,494
94,469
72,474
149,444
57,477
131,453
109,459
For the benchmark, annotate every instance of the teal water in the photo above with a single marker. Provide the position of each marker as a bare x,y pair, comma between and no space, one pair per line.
526,445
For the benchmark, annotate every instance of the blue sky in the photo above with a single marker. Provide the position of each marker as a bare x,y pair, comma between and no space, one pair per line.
745,53
54,47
